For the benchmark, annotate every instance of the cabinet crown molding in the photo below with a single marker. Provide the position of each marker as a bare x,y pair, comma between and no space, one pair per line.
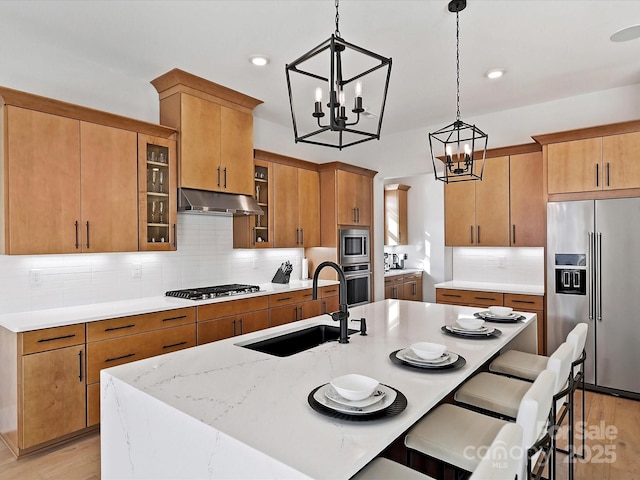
177,80
347,168
30,101
588,132
396,186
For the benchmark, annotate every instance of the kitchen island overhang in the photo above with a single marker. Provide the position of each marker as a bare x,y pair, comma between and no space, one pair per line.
222,411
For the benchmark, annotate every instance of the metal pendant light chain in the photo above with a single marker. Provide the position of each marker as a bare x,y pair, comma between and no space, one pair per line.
337,19
458,65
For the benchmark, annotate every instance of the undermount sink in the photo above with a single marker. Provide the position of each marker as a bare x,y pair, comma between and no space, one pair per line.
295,342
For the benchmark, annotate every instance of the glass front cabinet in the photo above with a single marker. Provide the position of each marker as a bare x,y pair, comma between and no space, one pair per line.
256,231
157,193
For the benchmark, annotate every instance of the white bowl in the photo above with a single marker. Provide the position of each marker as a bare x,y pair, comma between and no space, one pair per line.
501,311
470,323
427,350
354,386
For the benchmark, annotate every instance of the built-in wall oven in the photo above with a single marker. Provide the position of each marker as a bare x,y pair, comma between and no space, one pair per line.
358,278
354,246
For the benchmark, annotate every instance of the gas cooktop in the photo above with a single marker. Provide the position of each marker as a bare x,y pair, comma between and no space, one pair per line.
203,293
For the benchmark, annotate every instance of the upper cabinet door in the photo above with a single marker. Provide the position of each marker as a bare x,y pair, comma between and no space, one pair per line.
236,151
621,161
199,144
492,204
354,199
285,206
575,166
528,205
309,207
460,214
43,182
109,181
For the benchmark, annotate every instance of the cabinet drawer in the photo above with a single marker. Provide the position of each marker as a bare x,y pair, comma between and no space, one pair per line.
287,298
468,297
52,338
329,291
410,277
391,281
233,307
117,351
524,302
119,327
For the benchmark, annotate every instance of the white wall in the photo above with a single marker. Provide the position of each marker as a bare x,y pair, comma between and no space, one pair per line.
205,256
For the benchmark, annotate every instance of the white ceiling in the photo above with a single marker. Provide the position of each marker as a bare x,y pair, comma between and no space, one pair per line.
104,53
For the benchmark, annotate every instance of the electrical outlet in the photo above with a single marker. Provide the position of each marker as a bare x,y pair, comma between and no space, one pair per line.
35,276
136,271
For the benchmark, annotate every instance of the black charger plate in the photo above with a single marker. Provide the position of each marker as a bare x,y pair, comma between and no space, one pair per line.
396,407
495,333
459,363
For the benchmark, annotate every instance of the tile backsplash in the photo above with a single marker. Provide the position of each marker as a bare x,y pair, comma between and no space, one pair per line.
522,266
205,256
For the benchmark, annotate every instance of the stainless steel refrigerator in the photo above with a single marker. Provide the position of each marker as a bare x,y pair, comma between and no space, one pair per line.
593,276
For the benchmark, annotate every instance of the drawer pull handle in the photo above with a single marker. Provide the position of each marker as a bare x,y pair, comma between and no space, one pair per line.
523,301
111,329
331,291
119,358
451,295
80,366
284,298
173,318
484,298
174,345
56,338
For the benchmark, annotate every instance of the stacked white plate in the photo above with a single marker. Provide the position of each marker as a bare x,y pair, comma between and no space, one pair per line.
381,398
407,355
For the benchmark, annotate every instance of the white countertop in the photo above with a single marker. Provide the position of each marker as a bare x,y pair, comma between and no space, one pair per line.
397,271
493,287
222,411
57,317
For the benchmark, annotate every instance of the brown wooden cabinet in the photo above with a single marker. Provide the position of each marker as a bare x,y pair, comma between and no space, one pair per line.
527,203
122,340
477,212
216,132
70,177
290,196
481,299
354,198
157,193
396,230
297,305
42,386
506,208
217,321
406,286
595,162
296,207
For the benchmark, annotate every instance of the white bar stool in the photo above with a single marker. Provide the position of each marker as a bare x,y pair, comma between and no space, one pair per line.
451,434
500,462
527,366
502,395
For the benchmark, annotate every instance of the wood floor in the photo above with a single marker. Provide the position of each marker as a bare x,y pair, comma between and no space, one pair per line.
612,448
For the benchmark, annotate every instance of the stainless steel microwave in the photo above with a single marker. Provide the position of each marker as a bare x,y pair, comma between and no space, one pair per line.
354,246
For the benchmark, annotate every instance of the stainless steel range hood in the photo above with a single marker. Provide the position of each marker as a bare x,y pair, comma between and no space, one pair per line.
216,203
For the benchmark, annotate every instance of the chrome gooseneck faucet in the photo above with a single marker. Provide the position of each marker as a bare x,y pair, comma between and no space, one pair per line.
343,314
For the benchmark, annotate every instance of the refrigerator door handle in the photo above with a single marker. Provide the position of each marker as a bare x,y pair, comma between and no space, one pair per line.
592,276
599,276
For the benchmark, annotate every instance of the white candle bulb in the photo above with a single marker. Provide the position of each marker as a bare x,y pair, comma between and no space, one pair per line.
341,98
358,89
467,149
318,94
447,150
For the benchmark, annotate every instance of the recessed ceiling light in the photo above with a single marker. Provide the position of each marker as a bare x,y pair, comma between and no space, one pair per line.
259,60
626,34
495,73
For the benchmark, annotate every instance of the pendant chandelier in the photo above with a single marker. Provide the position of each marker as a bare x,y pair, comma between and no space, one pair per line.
336,70
459,148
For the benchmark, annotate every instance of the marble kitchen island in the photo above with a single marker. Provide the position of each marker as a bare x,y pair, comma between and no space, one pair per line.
223,411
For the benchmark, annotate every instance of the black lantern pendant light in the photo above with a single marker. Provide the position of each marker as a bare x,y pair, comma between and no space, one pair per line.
350,71
459,149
